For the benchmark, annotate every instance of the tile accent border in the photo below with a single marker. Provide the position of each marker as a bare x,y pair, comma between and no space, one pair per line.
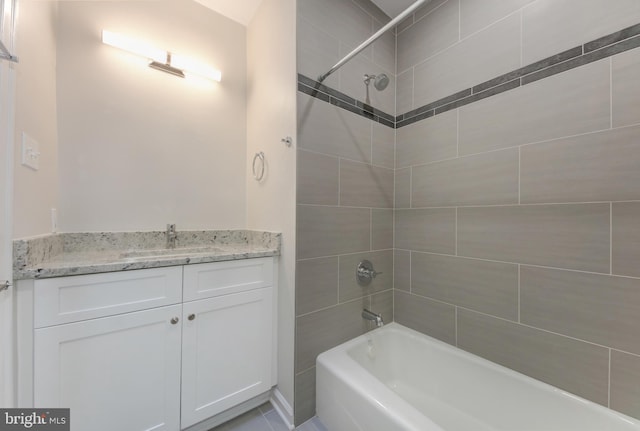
606,46
341,100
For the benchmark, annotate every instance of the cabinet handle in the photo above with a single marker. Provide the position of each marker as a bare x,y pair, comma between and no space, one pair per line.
174,320
191,317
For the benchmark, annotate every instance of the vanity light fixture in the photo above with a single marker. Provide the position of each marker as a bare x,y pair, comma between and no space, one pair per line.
161,59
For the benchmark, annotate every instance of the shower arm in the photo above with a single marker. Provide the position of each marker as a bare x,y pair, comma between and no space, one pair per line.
373,38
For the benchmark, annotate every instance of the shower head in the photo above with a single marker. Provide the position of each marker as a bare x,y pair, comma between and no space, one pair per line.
379,81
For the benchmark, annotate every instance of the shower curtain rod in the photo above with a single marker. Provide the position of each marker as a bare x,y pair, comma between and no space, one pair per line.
373,38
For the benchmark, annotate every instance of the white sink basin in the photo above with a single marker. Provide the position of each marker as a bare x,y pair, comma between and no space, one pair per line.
169,252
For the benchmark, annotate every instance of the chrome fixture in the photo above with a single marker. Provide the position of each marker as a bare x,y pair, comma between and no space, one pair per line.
258,173
365,273
374,317
161,59
172,235
4,285
379,81
167,67
6,55
373,38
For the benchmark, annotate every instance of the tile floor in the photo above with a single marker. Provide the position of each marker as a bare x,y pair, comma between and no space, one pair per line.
265,418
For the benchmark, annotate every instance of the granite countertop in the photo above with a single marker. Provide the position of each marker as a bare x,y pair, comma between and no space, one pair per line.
64,254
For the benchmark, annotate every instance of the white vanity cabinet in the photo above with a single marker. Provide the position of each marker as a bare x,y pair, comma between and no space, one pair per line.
161,349
227,325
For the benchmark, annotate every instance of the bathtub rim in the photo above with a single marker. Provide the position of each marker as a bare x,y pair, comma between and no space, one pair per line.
351,370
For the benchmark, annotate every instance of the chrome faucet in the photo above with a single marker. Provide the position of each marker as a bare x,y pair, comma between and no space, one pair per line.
370,315
172,235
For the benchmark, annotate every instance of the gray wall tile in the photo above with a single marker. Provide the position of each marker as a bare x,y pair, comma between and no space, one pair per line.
384,146
373,10
404,92
327,129
317,179
403,188
430,230
601,166
592,307
363,185
322,330
305,395
484,179
626,239
578,367
402,270
316,284
429,317
381,229
477,14
329,231
448,72
573,102
427,8
350,289
488,287
316,51
625,93
565,236
551,26
625,383
427,141
429,35
384,51
344,20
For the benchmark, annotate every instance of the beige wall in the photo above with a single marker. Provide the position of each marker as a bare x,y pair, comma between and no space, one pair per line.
271,116
513,239
36,192
140,148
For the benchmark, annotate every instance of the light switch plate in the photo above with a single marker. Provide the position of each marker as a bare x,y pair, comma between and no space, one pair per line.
30,152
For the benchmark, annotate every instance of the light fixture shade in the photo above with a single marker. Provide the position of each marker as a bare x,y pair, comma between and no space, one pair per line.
134,46
192,66
161,59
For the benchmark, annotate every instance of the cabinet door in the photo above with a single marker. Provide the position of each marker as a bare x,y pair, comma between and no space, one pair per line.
227,352
115,373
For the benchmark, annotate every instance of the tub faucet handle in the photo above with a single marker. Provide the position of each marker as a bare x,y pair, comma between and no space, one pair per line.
365,273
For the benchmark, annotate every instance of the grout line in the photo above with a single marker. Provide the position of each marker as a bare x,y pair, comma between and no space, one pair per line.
519,175
455,325
611,92
525,325
519,267
611,238
459,20
609,383
410,271
410,187
521,37
458,132
455,232
556,268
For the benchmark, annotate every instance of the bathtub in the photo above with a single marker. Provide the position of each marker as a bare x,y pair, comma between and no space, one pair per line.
394,378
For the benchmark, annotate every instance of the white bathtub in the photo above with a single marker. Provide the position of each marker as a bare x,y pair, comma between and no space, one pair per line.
395,378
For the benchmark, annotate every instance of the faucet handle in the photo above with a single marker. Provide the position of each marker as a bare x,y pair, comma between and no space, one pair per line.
365,273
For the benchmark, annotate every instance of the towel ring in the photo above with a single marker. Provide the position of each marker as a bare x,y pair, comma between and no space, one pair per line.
260,156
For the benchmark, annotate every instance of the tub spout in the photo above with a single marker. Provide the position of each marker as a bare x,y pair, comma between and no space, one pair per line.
370,315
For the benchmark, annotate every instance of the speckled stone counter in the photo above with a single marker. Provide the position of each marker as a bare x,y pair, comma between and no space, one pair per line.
64,254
